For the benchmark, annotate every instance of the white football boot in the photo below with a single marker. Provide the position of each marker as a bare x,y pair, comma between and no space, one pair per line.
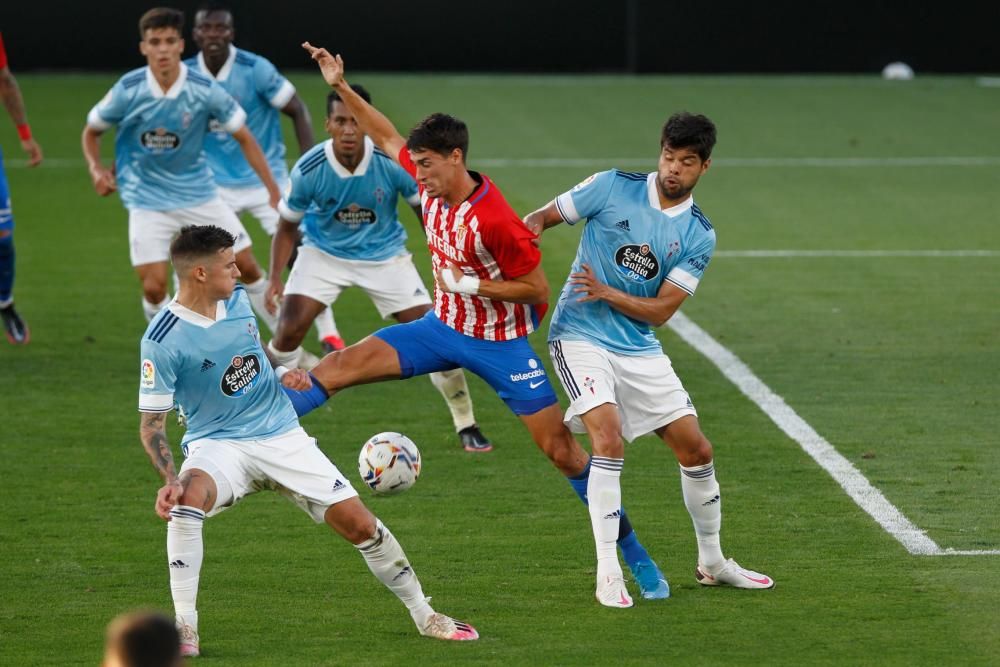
611,592
731,574
440,626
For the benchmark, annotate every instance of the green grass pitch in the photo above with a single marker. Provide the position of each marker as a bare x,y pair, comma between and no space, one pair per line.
893,359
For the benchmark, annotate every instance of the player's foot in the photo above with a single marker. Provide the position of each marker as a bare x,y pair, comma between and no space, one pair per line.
440,626
189,641
731,574
473,440
652,584
332,344
17,331
611,592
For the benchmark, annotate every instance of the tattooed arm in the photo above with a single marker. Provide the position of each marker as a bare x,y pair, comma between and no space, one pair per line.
153,433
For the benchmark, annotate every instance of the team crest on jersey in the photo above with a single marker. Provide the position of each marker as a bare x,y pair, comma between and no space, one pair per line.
673,248
584,183
379,195
241,376
588,383
186,120
460,232
252,330
148,375
215,127
354,215
637,262
160,140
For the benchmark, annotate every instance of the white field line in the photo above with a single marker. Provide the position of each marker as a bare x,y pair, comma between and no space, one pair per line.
861,491
649,162
764,254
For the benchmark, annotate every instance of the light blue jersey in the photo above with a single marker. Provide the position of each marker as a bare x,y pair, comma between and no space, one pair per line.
633,246
256,86
216,370
349,215
159,146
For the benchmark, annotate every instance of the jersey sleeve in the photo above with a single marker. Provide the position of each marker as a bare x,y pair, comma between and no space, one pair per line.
512,246
405,185
110,110
223,108
687,273
276,89
156,378
405,162
587,198
298,196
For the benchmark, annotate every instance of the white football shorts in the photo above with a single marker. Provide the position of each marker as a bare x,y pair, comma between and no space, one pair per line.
254,201
150,232
290,464
392,284
645,388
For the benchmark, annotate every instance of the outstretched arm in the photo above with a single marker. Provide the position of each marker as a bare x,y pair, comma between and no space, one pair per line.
545,217
10,92
255,157
299,113
370,119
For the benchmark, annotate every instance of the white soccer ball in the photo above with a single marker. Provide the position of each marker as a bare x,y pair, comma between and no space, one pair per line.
389,463
897,72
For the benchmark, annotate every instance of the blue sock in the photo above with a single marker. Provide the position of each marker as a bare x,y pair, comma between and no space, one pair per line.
6,267
632,550
306,401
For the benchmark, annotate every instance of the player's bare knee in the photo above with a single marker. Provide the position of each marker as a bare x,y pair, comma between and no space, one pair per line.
154,290
199,490
564,451
249,269
696,453
351,520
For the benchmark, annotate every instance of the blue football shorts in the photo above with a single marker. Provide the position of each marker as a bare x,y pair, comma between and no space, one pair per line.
511,367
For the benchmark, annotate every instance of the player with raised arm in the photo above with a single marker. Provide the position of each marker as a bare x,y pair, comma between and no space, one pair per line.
162,113
203,351
490,293
643,251
343,196
263,92
14,326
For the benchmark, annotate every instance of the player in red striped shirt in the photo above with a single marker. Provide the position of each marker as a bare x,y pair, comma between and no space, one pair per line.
490,293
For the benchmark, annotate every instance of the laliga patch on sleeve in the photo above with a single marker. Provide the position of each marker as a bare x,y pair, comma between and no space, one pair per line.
148,374
584,183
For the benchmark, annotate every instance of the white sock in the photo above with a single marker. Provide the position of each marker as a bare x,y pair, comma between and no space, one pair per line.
288,359
151,309
604,496
256,291
455,391
325,326
388,563
704,504
185,550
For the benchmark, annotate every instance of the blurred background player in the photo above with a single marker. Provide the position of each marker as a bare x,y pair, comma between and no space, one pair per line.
243,434
162,113
262,92
16,329
142,639
344,193
643,252
490,293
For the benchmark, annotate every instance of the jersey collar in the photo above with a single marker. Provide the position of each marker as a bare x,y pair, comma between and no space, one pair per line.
341,170
194,318
227,67
175,90
654,199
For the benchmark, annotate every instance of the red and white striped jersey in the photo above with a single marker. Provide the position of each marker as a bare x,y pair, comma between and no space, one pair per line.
483,236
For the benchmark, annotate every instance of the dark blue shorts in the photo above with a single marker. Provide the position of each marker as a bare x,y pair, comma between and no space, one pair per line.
6,218
511,367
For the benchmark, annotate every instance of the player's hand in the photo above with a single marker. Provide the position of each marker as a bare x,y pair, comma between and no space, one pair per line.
272,297
33,150
167,498
455,273
104,180
297,379
586,282
332,67
536,226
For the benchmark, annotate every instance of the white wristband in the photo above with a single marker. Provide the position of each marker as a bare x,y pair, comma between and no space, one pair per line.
464,285
280,371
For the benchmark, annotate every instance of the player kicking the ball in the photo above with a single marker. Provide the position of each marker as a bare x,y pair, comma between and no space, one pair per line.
203,350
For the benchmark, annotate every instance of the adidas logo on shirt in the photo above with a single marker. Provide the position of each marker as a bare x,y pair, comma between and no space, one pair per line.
205,365
623,225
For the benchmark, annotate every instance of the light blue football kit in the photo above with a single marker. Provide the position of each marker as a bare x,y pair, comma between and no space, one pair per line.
217,370
633,246
160,162
261,91
350,215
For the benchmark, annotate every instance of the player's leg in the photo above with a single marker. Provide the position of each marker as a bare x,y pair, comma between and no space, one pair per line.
304,475
153,278
297,314
326,330
14,326
149,234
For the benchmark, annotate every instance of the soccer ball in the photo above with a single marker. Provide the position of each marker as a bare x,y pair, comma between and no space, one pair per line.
389,463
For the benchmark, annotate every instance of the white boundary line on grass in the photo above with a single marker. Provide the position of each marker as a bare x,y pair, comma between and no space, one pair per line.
855,253
649,163
857,486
